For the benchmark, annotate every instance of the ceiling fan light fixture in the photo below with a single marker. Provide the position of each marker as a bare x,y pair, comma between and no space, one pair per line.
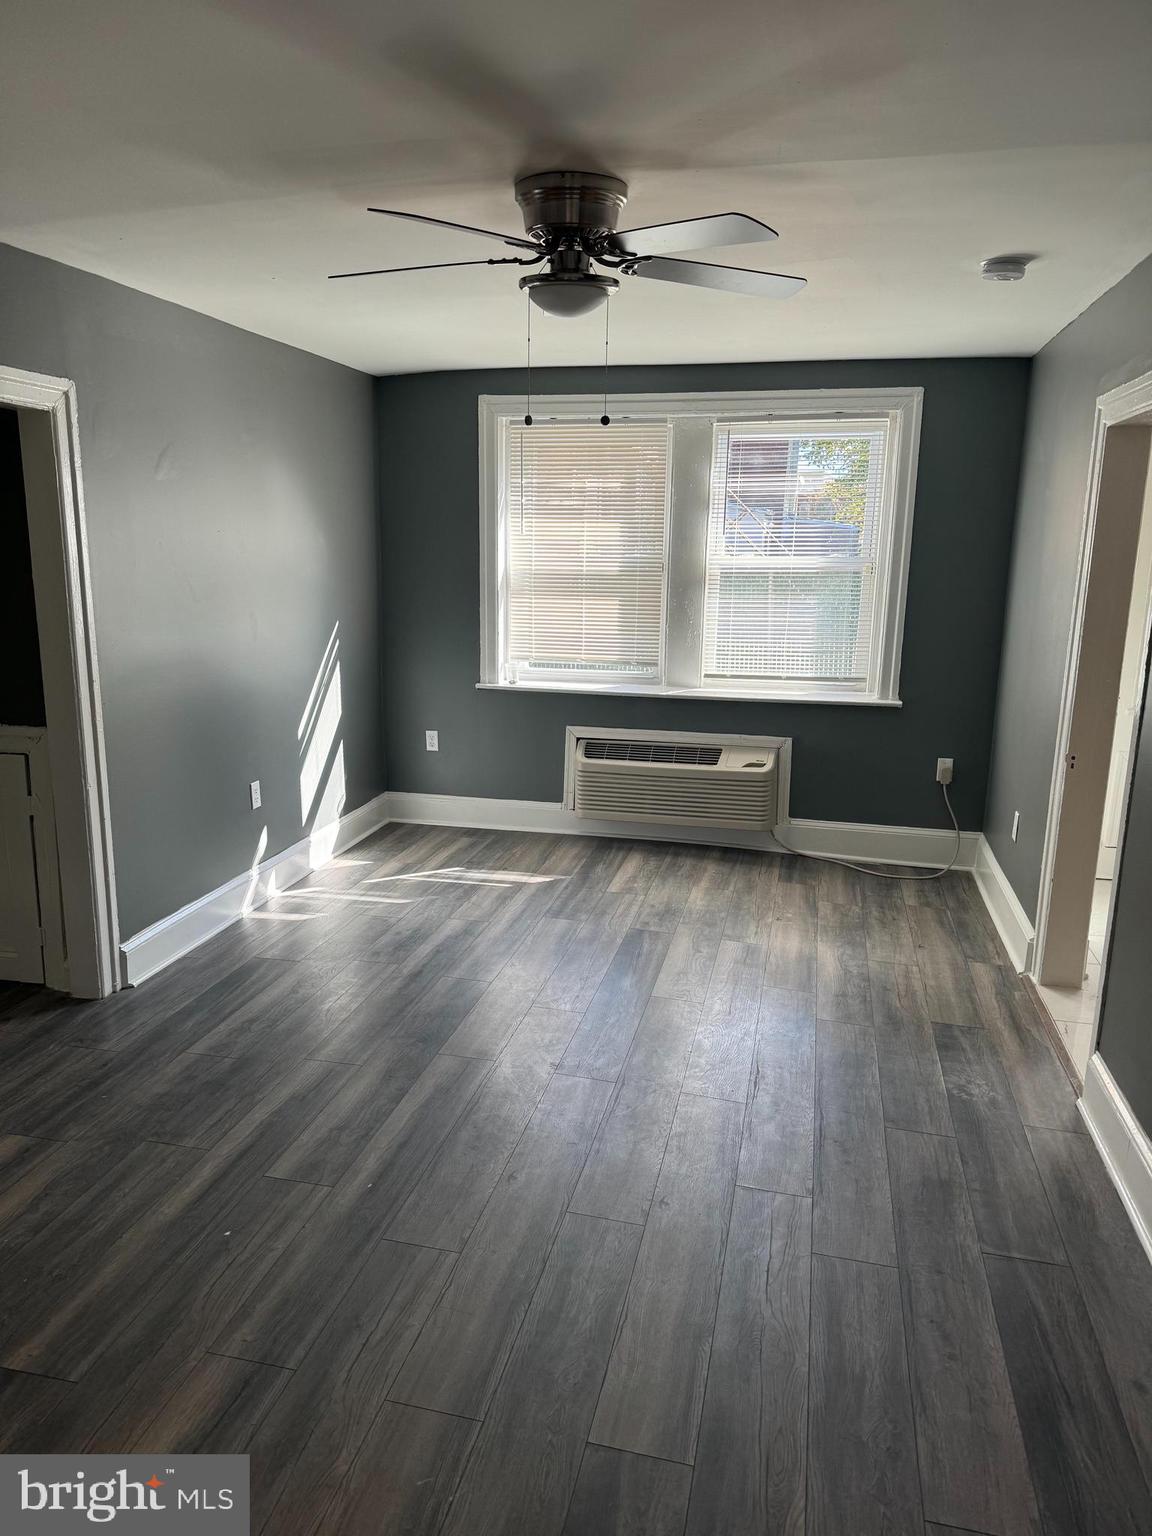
568,294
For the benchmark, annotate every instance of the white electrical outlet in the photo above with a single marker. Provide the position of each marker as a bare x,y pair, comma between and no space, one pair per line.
254,794
1015,824
943,770
432,741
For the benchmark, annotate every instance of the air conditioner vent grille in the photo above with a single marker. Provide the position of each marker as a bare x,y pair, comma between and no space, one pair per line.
676,782
651,752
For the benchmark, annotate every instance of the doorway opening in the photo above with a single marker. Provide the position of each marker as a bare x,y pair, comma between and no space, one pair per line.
55,826
30,948
1104,682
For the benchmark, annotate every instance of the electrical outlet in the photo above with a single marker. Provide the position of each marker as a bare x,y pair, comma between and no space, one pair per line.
254,794
432,741
1015,824
943,770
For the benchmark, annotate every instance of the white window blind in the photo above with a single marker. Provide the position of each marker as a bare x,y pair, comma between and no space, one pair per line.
585,534
794,528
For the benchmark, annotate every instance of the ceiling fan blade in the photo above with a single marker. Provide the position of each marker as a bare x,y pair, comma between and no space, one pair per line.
430,266
464,229
715,229
705,274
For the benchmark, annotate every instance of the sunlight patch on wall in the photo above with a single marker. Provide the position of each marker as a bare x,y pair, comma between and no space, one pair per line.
254,873
328,663
328,805
323,789
319,740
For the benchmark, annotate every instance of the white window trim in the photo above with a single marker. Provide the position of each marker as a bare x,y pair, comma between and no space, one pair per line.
904,408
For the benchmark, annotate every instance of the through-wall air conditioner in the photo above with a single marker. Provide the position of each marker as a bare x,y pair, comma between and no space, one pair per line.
690,783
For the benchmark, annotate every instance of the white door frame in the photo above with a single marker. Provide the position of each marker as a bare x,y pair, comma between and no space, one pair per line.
61,577
1128,403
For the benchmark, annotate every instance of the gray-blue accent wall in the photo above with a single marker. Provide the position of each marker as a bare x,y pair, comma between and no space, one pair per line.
851,762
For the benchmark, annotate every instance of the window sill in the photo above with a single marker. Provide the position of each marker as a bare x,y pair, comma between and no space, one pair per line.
730,695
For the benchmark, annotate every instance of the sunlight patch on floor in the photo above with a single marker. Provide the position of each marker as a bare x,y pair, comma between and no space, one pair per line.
322,897
509,877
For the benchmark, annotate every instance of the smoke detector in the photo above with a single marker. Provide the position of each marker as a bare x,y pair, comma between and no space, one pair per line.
1003,269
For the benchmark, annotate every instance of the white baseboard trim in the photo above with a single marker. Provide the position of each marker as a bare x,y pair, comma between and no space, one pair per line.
1013,924
153,948
925,846
852,840
1123,1143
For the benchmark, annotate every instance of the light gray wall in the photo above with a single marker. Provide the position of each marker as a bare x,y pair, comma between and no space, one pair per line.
1107,345
851,763
230,491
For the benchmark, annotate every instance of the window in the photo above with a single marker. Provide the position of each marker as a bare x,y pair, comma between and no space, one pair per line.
725,546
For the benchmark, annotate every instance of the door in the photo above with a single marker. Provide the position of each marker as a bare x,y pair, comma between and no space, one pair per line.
1126,719
21,943
1131,691
1095,700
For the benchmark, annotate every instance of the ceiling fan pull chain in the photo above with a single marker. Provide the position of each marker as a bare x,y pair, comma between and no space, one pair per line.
606,420
520,436
528,402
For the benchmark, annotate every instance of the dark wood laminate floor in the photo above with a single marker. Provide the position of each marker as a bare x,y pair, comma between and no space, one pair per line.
494,1183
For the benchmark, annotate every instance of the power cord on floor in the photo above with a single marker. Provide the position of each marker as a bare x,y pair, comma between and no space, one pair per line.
883,874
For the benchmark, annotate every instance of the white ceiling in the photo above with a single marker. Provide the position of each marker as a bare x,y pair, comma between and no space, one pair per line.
220,153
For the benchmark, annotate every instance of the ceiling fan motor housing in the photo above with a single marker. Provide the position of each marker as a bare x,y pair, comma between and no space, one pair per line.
570,202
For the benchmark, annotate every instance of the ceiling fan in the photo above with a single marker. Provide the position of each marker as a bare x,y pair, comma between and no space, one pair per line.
570,221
